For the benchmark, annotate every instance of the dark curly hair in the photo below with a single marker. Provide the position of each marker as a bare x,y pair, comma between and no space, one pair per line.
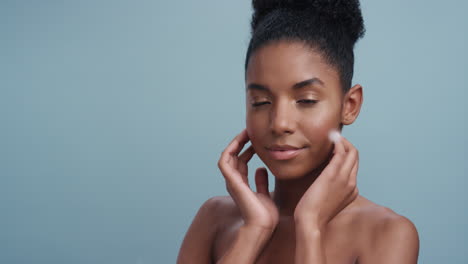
330,26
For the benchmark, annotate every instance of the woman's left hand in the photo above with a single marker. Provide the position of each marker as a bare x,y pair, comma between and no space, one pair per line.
333,190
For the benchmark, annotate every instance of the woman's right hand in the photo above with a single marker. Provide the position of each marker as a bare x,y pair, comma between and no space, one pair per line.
257,208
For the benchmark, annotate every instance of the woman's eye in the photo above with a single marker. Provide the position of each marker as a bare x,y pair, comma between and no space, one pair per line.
307,101
259,104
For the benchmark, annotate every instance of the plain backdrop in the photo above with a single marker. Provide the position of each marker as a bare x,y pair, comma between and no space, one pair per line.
113,116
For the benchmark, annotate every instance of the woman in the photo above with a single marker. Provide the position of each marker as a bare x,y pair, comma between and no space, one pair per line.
298,73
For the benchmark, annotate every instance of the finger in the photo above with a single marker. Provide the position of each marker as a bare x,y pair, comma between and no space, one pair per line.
350,160
234,147
347,144
233,178
241,163
247,154
333,167
229,172
237,143
261,181
354,171
338,144
355,163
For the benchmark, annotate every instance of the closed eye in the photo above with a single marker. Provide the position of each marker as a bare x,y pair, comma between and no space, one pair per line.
259,104
307,101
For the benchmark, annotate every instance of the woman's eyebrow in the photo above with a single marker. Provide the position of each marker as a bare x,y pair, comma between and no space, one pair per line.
299,85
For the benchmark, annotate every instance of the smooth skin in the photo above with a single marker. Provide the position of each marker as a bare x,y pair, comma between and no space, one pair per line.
315,214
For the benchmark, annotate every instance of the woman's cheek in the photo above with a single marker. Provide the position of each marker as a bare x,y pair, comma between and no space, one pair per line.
317,132
318,125
253,132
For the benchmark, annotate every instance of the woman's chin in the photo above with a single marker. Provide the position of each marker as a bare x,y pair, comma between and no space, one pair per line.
285,172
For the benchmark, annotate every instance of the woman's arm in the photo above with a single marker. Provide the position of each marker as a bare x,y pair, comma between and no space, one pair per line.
247,246
333,190
258,210
309,245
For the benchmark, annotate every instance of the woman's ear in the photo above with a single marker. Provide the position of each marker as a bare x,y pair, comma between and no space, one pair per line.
352,104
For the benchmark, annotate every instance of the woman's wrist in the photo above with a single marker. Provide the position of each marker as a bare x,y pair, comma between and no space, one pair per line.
309,232
310,246
254,235
311,224
259,230
249,243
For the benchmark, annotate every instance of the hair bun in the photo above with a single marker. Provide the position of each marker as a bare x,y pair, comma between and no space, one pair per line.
346,13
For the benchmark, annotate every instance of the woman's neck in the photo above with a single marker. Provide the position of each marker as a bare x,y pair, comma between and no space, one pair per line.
288,193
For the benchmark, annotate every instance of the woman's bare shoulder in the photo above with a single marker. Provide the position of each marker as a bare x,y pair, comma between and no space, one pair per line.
382,229
223,208
374,215
210,218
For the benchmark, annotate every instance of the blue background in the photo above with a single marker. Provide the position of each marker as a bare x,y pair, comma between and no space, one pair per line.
114,113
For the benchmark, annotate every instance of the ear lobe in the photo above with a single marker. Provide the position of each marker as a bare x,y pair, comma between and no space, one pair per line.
352,104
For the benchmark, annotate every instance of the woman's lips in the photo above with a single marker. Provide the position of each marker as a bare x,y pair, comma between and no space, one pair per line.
284,154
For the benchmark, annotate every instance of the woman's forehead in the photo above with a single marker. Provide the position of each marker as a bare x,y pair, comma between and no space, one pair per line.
286,64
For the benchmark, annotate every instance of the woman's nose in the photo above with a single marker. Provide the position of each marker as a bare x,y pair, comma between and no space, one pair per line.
282,118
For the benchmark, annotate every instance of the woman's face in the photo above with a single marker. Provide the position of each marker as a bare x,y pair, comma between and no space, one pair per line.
290,111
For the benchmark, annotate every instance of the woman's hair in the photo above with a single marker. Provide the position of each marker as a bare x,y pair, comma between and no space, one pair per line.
331,27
